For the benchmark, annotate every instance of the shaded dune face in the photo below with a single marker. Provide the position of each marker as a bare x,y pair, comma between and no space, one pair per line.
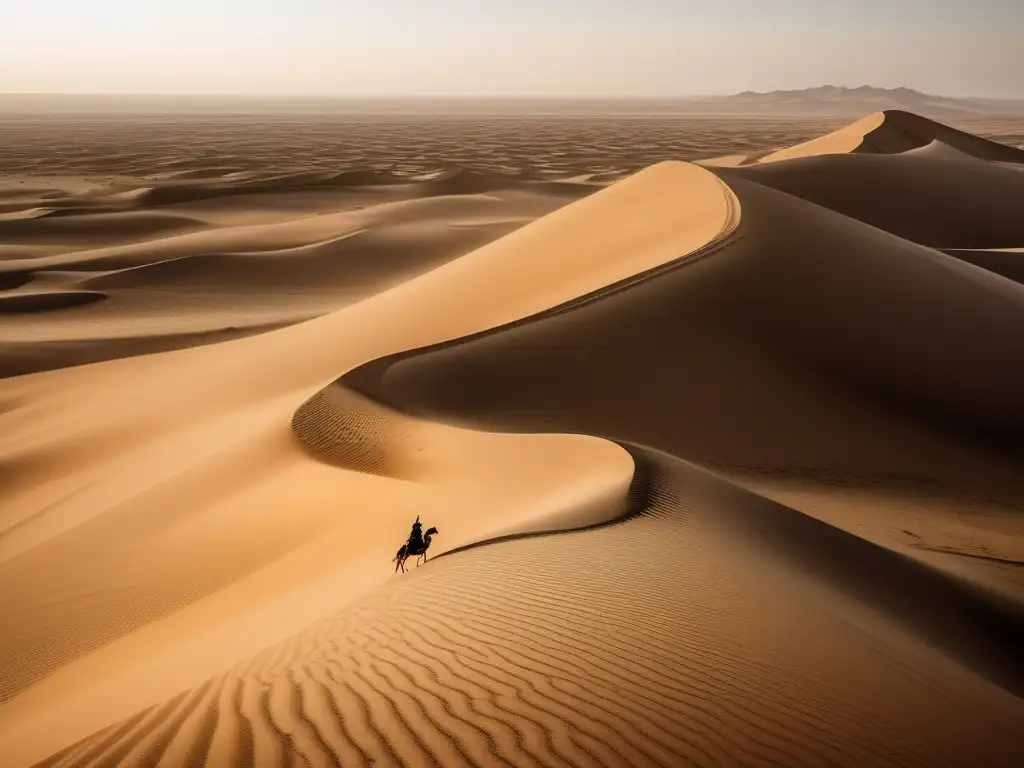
43,302
1009,262
935,201
64,228
804,312
904,131
817,558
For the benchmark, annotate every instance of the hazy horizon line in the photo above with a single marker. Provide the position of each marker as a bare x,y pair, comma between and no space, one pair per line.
480,96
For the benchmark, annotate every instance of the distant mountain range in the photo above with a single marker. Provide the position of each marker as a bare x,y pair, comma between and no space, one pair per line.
831,100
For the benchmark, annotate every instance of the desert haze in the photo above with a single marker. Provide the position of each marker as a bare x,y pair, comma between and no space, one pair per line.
717,419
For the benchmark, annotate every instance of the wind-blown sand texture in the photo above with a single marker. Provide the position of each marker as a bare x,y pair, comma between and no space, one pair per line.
724,461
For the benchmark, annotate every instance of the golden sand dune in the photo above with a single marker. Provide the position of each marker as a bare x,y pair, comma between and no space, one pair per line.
890,132
724,471
210,434
225,263
713,629
782,306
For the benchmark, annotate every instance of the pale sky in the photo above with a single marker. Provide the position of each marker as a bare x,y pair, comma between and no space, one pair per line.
496,47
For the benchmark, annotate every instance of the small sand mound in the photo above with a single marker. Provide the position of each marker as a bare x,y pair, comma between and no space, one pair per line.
608,177
187,191
362,178
355,263
208,172
103,227
463,181
939,150
27,303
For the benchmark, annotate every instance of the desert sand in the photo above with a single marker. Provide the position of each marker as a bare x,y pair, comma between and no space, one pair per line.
724,456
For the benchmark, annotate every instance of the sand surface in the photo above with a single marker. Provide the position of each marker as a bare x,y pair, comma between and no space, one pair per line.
724,458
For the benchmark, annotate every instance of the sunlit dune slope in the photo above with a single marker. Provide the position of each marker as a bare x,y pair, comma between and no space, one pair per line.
206,433
713,629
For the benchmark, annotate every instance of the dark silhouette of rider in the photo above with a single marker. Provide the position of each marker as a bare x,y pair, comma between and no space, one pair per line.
416,537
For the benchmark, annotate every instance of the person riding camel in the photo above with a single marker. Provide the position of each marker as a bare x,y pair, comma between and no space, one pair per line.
416,537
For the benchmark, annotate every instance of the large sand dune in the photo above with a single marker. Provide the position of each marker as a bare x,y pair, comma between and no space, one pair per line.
889,132
724,464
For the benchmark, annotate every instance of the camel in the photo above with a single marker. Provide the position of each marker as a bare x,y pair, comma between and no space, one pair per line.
405,552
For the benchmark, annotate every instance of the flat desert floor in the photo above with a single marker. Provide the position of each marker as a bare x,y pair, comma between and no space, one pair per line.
718,422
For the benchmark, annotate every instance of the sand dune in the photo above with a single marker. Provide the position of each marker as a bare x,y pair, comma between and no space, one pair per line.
939,150
891,132
53,522
751,294
768,309
181,191
919,197
51,228
724,467
207,270
463,181
38,301
528,653
362,261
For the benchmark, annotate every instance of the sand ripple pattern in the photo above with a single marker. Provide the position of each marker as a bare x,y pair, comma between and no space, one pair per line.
555,651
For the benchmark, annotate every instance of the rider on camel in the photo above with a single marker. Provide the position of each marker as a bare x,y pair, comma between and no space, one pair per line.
416,537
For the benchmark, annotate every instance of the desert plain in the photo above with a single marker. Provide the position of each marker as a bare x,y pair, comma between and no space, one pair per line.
719,420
